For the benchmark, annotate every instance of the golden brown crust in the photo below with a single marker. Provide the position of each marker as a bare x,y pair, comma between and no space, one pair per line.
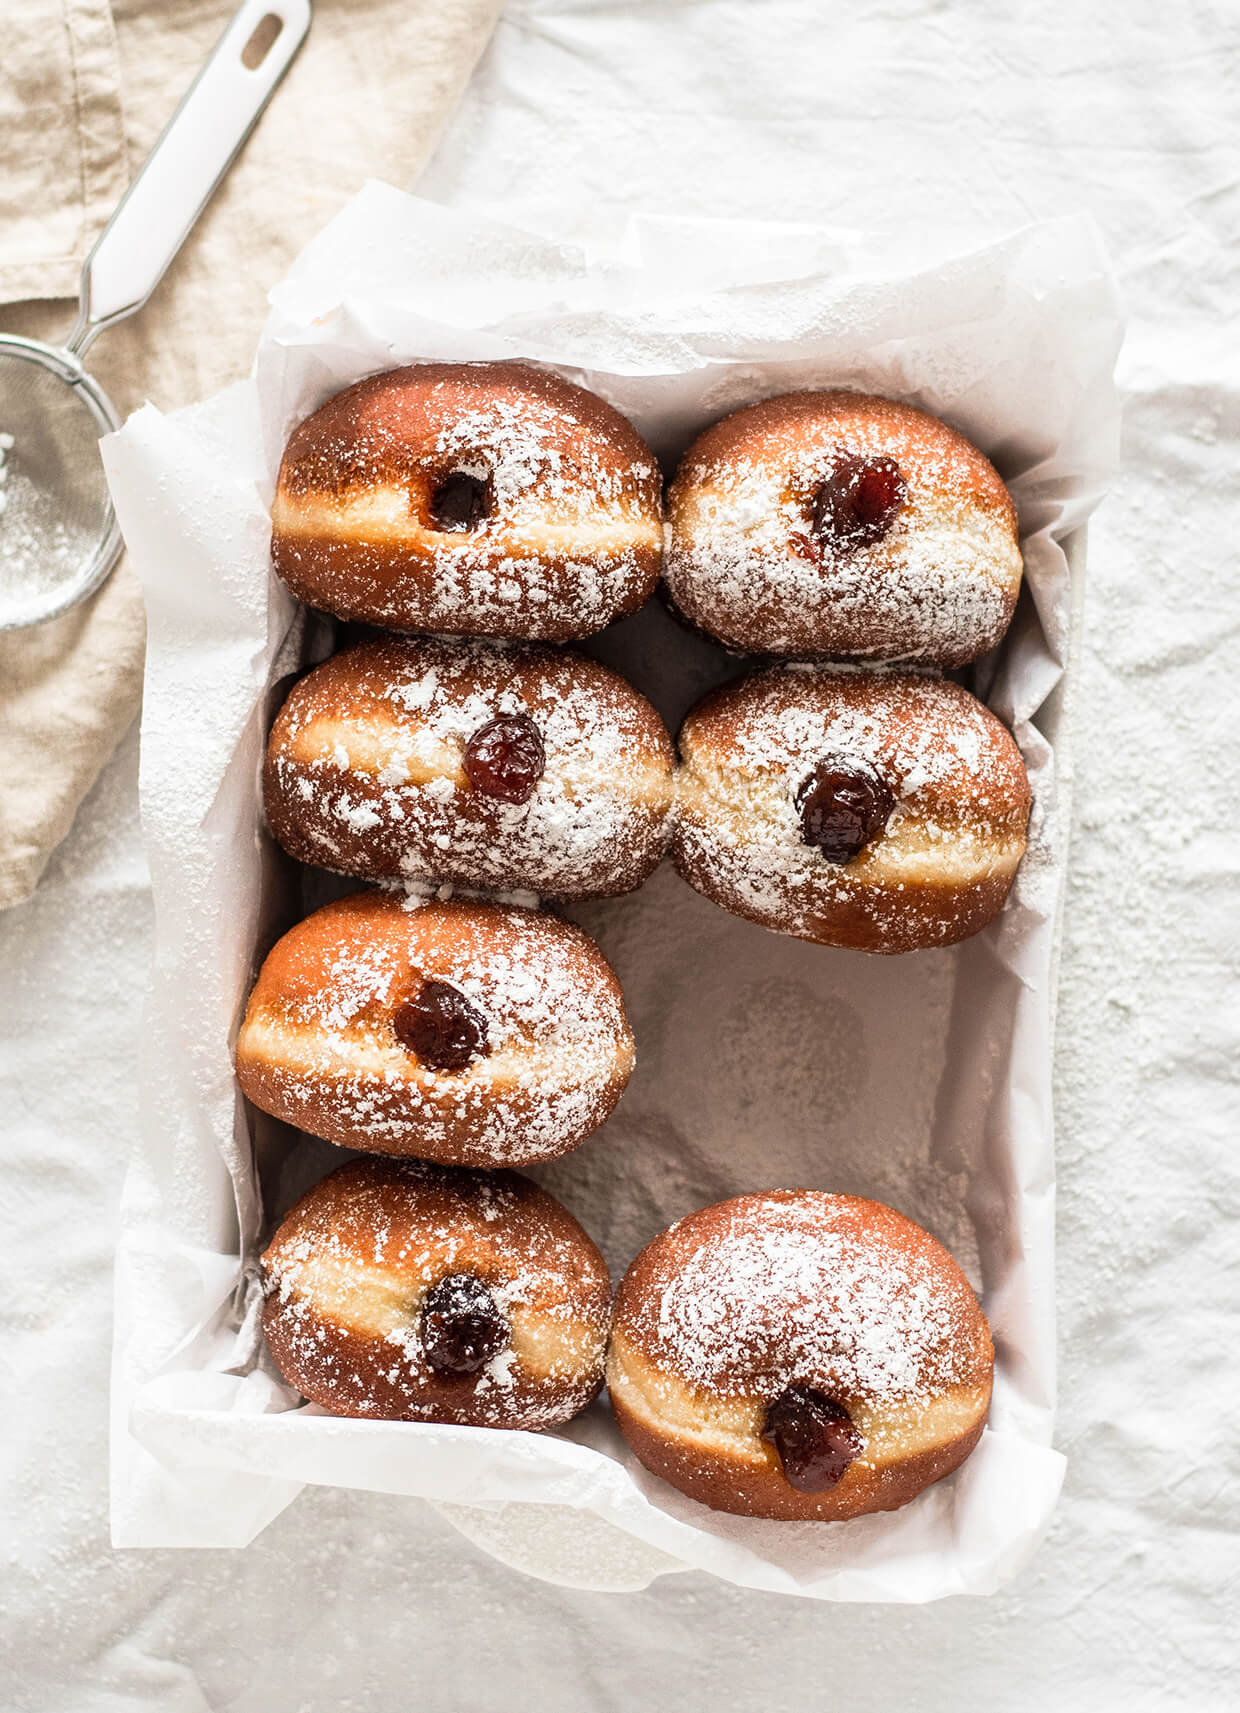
346,1274
733,1304
954,1349
745,564
746,1488
919,437
365,770
574,535
939,872
318,1049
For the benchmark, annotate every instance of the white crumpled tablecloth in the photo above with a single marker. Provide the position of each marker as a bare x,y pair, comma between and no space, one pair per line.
901,115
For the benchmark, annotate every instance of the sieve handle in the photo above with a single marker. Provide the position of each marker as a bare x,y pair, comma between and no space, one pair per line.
182,171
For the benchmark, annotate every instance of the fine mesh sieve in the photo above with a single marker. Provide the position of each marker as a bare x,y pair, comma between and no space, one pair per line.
58,534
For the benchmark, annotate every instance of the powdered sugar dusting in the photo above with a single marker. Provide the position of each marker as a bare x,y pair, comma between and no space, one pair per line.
347,1274
597,822
570,538
958,779
795,1288
519,450
321,1052
45,542
746,563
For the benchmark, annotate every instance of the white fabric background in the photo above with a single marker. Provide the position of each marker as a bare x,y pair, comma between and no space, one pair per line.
885,113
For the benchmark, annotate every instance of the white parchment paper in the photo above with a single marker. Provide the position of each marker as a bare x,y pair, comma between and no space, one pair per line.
923,1081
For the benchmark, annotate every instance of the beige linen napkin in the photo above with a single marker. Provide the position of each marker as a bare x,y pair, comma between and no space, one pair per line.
85,88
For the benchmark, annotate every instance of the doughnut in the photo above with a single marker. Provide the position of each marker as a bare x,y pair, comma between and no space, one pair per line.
470,1033
470,498
800,1356
832,523
868,808
486,765
412,1292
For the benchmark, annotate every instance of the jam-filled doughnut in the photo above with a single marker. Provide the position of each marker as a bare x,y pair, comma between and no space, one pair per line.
486,765
880,810
799,1355
463,1032
833,523
469,498
412,1292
